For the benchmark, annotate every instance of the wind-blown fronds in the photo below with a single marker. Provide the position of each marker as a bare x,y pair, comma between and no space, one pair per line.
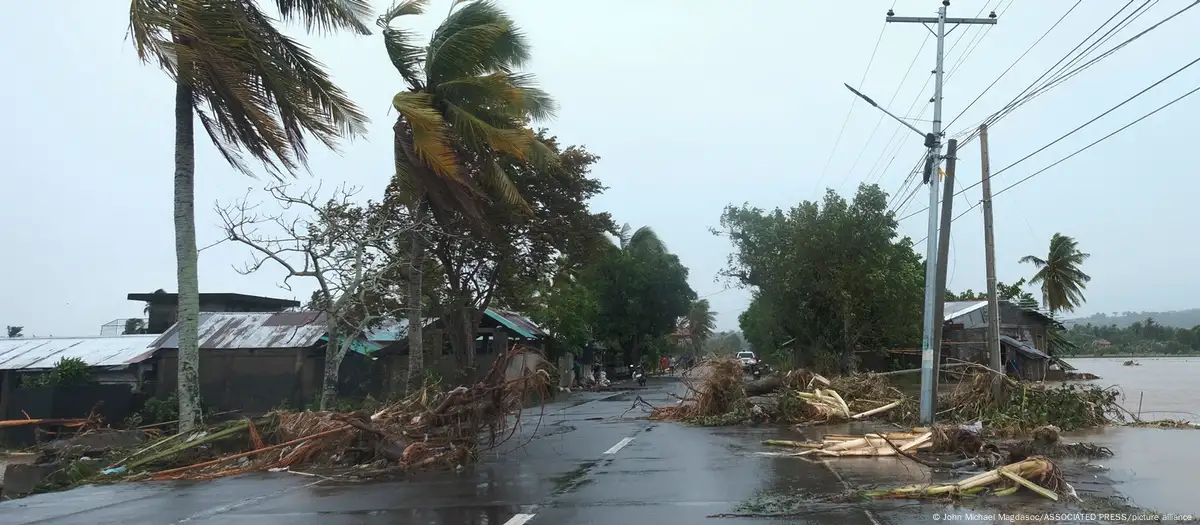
253,89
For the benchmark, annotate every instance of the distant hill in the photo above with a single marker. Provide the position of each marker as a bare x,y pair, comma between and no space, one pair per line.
1176,319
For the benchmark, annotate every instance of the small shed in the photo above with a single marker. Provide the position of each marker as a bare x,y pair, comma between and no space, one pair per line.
1022,360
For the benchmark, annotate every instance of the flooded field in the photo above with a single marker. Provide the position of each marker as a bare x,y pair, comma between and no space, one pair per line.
1153,467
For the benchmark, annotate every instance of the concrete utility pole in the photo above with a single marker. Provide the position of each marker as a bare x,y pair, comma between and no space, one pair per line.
989,251
943,258
933,142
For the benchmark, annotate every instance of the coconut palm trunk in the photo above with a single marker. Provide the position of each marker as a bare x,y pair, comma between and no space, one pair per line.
186,260
416,336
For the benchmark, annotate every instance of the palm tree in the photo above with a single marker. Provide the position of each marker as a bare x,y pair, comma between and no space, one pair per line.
1059,274
465,106
700,323
253,90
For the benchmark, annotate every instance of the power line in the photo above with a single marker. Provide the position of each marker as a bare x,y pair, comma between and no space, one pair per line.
1085,124
850,111
1083,149
972,133
1010,66
879,122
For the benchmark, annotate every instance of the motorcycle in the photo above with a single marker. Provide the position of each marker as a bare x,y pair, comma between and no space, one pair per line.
638,375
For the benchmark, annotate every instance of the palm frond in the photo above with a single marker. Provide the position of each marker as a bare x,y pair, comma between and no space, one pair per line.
503,188
428,132
328,15
645,239
514,94
479,135
477,39
254,89
405,54
624,236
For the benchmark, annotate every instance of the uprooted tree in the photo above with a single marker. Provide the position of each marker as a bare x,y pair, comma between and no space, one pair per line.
830,277
346,249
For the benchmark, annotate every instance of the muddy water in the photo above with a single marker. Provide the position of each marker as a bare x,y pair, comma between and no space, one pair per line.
1155,468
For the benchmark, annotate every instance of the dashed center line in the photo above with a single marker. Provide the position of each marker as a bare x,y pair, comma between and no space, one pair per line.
519,519
620,445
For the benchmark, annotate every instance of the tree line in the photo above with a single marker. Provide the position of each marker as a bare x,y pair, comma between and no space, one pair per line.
1141,337
832,278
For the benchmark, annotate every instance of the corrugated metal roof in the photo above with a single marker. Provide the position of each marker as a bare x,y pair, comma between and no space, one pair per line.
516,322
959,308
229,330
1023,347
44,352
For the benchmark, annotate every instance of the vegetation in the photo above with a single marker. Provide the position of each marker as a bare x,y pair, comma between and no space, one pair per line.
134,326
254,90
1141,337
642,291
462,123
828,278
15,331
699,324
1059,275
68,371
1006,292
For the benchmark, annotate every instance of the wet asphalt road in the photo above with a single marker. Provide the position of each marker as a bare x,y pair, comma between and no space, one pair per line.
590,460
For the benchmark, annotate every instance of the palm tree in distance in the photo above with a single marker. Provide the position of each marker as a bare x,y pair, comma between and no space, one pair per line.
254,91
1059,274
464,106
700,323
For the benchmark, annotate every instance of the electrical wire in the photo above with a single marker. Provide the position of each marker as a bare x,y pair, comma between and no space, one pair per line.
973,132
850,111
1015,62
1078,151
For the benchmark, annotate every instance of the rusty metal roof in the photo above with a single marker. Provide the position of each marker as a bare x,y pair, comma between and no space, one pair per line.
25,353
229,330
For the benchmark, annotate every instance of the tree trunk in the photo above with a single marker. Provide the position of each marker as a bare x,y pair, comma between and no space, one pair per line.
188,379
416,341
460,330
329,380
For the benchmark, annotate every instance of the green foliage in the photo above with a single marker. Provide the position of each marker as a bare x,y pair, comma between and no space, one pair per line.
1062,281
641,289
699,323
1069,407
165,410
831,275
134,326
1005,292
1140,337
569,314
723,344
68,371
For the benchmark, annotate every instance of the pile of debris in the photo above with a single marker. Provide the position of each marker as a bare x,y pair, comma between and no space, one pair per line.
717,394
428,429
1011,464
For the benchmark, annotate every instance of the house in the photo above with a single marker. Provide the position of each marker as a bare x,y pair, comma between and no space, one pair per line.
163,308
1024,336
119,361
258,361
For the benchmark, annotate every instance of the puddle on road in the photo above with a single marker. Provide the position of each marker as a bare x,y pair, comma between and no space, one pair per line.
574,479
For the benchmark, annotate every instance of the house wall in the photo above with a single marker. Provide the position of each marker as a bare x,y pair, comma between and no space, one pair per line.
251,380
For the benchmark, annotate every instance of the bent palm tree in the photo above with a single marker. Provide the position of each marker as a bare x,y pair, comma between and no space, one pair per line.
465,106
1059,274
253,90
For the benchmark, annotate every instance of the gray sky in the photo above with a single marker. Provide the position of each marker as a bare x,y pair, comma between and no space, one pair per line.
691,105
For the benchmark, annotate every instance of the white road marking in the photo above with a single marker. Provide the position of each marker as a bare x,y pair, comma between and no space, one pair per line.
519,519
620,445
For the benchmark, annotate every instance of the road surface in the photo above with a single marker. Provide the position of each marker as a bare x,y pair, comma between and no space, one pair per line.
591,460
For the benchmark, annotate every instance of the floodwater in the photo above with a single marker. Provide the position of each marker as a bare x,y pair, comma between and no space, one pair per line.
1162,462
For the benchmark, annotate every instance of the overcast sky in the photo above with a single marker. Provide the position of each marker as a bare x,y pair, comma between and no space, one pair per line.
691,105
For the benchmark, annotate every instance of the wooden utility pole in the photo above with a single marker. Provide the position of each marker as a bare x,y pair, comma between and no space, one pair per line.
989,253
943,254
